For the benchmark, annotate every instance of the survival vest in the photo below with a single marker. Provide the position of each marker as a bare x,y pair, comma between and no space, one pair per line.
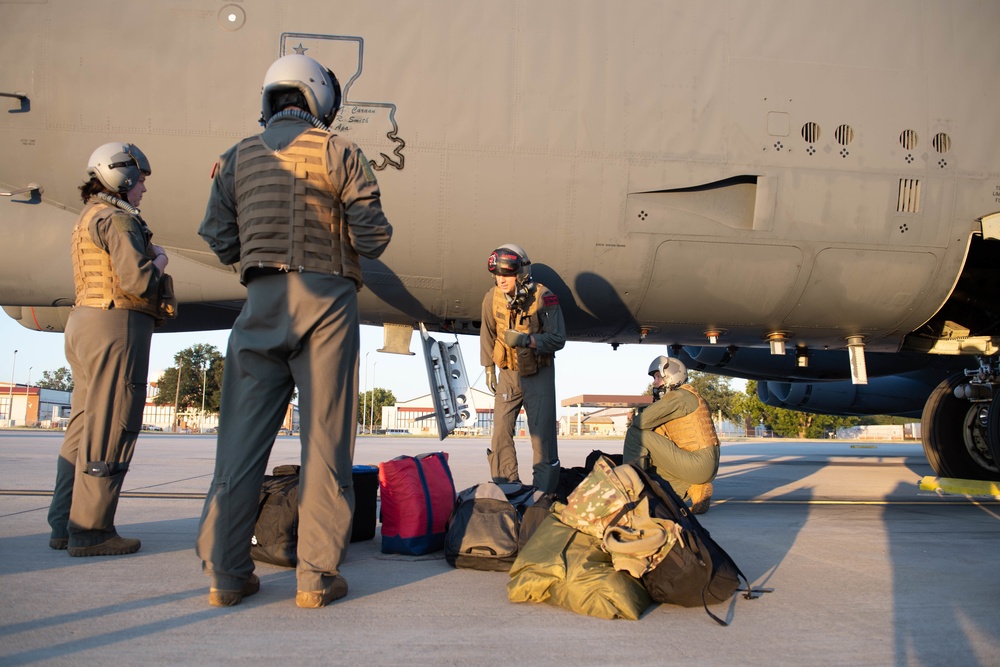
97,283
525,320
290,217
694,430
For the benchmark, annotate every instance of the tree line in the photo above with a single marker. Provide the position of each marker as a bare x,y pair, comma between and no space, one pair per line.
746,409
197,375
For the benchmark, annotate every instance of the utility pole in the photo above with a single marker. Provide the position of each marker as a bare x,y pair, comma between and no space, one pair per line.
177,394
10,406
364,407
27,396
371,424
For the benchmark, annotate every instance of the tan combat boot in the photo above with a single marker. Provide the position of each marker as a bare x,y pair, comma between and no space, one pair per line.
701,497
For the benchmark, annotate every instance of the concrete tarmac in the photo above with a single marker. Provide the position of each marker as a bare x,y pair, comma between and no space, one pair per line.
866,570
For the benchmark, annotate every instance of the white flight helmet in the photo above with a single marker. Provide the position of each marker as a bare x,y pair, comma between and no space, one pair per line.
118,166
674,372
316,83
509,260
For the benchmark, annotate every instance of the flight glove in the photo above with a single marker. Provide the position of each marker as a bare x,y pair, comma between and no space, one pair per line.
491,379
516,338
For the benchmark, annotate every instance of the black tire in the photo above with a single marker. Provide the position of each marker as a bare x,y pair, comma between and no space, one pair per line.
993,428
954,434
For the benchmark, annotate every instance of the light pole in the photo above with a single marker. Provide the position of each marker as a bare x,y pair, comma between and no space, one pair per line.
27,396
371,424
10,405
204,383
364,408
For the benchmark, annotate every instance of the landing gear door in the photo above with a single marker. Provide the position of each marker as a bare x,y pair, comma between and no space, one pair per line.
450,390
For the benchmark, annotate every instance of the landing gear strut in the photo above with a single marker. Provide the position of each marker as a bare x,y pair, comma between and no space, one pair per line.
961,438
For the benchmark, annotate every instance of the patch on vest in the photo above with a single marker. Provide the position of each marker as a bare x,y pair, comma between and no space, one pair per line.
366,167
550,300
122,222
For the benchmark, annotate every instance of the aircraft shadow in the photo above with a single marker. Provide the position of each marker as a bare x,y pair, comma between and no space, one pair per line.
602,314
931,593
766,538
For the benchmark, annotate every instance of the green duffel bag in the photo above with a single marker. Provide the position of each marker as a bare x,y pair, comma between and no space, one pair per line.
563,567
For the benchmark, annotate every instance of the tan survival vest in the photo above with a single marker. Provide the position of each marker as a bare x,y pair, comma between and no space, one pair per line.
526,322
692,431
289,215
97,283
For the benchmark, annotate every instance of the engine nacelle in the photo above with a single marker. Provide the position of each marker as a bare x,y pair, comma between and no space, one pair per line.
893,395
40,318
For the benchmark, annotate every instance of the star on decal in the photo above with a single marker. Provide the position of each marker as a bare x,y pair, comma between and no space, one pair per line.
301,50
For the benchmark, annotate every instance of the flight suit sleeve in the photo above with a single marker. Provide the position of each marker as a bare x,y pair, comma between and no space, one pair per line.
674,405
368,227
124,239
487,331
552,337
219,228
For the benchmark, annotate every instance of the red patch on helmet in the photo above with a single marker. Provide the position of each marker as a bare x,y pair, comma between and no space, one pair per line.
550,300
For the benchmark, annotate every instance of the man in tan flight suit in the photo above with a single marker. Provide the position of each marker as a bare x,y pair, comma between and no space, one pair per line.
296,206
118,272
522,330
675,437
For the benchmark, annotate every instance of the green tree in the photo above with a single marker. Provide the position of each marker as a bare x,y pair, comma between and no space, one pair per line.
873,420
747,408
190,364
374,399
61,379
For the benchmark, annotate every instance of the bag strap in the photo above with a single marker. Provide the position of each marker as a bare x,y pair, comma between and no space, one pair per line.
750,592
418,464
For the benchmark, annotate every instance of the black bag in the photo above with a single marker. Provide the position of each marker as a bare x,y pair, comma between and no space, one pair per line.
570,478
532,518
276,533
485,526
696,571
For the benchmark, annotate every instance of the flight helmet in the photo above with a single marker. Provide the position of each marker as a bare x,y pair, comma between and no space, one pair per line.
674,372
118,166
317,84
509,260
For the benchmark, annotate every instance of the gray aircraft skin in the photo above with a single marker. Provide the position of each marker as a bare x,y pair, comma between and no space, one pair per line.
798,192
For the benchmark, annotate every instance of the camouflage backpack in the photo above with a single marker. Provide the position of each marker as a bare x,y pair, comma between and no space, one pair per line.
602,499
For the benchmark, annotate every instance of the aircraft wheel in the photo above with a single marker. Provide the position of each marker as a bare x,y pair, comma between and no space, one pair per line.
955,434
993,428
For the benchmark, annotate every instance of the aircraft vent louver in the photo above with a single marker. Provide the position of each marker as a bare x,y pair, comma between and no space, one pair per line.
941,142
844,134
810,132
909,196
908,139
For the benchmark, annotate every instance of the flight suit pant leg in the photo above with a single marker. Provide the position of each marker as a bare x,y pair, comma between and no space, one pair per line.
114,345
506,407
539,391
66,464
256,388
678,467
325,369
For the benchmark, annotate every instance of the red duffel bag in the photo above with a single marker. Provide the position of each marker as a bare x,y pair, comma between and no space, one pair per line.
418,494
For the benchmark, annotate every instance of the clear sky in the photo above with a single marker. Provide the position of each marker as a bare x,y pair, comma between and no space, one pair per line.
581,368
